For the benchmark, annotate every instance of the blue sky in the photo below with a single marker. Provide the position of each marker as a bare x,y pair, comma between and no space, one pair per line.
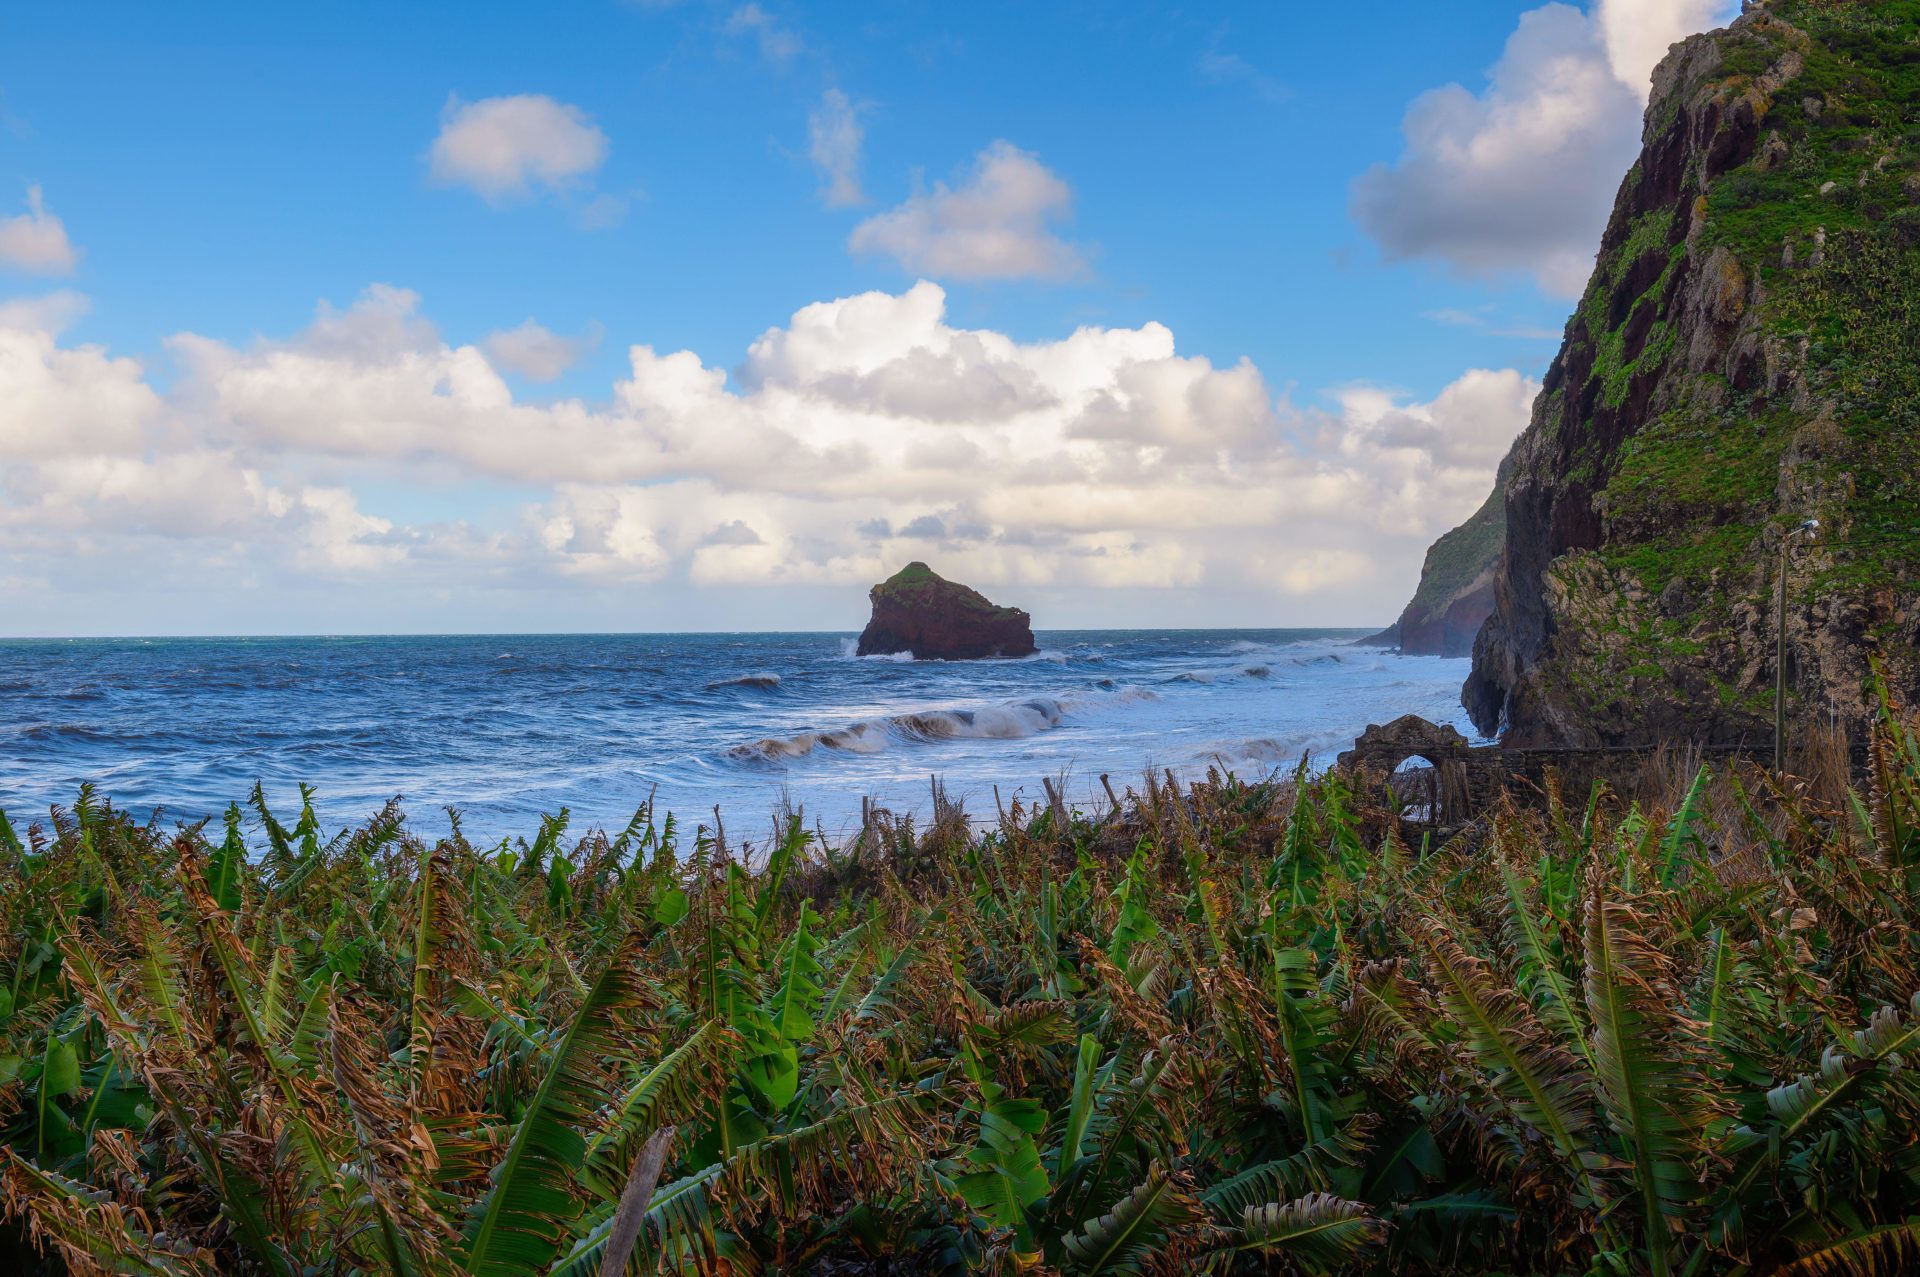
647,175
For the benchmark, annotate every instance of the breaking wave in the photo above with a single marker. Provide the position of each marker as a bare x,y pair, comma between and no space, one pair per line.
745,680
850,651
1013,720
1206,677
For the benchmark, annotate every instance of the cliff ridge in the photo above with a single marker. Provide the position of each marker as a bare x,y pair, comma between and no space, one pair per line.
1455,595
1743,360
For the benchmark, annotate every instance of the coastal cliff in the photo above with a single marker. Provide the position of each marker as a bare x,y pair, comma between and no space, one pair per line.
1744,360
1455,596
918,611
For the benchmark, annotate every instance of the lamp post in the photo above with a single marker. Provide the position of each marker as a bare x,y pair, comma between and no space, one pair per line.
1808,529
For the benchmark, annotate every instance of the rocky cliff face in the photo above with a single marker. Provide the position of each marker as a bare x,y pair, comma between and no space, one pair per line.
1744,359
918,611
1455,596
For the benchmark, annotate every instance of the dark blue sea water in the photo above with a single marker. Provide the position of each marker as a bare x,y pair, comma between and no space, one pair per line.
508,728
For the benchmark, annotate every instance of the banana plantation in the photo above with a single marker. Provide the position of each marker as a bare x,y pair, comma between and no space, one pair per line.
1226,1027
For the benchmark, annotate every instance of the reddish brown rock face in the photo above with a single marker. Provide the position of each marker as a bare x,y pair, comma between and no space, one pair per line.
920,612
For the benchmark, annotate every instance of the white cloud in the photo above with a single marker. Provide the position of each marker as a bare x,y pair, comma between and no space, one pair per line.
834,135
535,352
997,224
36,241
864,429
335,538
98,468
52,313
777,43
163,496
506,146
386,320
65,401
1638,33
1520,176
1468,425
891,355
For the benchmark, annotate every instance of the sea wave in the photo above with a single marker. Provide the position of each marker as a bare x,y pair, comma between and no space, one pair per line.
1271,753
1267,750
850,651
763,680
1011,720
1206,677
870,736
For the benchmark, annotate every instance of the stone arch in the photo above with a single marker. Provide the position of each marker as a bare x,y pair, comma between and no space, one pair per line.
1418,786
1382,751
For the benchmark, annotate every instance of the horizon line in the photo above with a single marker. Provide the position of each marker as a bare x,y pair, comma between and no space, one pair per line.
396,634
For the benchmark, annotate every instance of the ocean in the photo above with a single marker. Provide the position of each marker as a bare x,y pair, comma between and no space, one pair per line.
507,728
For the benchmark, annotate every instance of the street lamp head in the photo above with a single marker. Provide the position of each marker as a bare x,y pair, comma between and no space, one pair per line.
1811,527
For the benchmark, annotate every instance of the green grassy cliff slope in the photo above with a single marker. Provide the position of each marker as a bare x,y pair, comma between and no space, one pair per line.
1744,360
1455,595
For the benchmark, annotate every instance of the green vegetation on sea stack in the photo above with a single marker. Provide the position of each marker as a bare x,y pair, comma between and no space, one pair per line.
1229,1027
917,582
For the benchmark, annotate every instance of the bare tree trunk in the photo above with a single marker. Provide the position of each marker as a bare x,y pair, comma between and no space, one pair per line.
631,1214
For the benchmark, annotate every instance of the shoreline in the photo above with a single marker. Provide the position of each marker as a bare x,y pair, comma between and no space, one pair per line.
507,730
827,1032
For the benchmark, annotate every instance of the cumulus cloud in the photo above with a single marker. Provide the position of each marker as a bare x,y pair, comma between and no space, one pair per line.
1638,33
733,532
834,136
536,352
1520,176
861,429
52,313
858,354
507,146
67,401
996,224
36,241
98,470
1464,430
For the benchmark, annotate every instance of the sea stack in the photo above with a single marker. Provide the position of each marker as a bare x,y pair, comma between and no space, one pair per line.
916,610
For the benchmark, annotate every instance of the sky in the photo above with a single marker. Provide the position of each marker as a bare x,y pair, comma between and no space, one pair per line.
644,315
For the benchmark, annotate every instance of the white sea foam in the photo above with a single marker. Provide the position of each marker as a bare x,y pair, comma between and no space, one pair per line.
1011,720
850,651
